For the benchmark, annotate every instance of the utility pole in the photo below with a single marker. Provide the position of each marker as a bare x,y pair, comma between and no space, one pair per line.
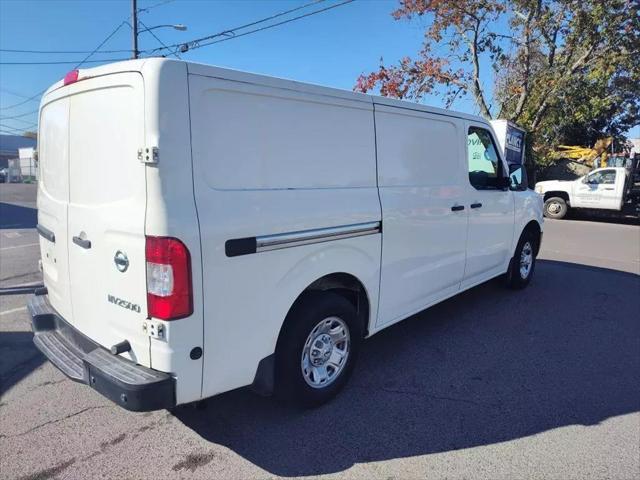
134,26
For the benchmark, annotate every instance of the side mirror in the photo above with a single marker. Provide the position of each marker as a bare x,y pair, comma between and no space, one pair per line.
504,182
518,177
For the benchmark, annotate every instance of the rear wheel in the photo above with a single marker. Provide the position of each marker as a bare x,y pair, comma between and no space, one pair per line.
523,262
317,349
555,207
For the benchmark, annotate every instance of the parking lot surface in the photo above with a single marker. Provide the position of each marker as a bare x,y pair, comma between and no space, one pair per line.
495,384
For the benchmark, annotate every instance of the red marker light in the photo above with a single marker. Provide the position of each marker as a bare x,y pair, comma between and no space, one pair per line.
71,77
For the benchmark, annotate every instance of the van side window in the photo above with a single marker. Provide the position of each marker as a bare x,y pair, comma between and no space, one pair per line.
602,177
485,167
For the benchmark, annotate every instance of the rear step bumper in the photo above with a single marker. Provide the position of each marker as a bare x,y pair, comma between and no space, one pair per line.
131,386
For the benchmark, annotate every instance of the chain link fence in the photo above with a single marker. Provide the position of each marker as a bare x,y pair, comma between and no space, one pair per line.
21,170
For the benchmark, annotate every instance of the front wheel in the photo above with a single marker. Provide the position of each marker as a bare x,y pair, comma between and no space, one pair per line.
317,349
555,207
523,262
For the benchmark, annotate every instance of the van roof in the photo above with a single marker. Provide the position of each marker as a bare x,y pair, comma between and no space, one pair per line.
145,64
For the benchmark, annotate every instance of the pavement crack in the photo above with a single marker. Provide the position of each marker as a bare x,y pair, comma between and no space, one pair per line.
49,472
57,420
15,277
44,384
193,461
113,441
51,382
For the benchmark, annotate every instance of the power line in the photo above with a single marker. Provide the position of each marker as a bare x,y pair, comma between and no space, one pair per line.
19,116
11,92
81,62
11,50
191,45
267,27
140,10
157,38
13,130
13,134
28,99
86,59
230,32
151,7
197,43
65,63
26,122
9,127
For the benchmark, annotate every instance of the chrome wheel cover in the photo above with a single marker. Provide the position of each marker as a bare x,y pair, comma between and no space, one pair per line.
554,208
526,260
325,352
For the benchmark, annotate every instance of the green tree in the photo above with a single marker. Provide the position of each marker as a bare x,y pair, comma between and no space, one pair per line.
563,69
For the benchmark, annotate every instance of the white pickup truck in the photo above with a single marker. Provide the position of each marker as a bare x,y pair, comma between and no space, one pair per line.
602,189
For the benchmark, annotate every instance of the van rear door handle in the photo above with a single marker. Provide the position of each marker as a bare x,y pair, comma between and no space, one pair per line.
476,205
609,188
46,233
457,208
82,242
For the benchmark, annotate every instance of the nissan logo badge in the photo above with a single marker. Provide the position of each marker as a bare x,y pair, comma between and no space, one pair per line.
121,261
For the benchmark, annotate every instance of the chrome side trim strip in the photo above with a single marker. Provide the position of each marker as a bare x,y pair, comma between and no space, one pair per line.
306,237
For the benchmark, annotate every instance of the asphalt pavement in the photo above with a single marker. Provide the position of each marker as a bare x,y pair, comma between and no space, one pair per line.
495,384
18,238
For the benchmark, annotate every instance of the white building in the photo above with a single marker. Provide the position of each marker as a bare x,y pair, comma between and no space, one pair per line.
24,167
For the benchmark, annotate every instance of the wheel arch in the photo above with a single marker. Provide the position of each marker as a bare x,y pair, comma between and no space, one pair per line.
558,193
347,286
344,284
534,227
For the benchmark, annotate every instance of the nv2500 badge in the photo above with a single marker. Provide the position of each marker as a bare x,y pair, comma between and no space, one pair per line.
124,303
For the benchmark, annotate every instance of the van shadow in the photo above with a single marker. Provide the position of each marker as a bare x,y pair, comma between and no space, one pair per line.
488,366
15,216
18,358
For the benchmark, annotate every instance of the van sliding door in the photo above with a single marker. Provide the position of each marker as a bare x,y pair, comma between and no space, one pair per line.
420,174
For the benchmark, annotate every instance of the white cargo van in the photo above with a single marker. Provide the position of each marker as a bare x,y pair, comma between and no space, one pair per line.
203,229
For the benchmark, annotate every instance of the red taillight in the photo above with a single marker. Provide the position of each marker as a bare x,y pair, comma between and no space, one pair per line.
169,294
71,77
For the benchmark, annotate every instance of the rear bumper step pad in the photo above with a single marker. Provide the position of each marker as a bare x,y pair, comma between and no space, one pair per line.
131,386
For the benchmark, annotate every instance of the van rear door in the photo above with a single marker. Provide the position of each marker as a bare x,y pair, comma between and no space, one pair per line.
53,199
106,213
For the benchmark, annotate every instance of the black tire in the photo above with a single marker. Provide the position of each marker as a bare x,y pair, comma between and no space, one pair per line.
516,279
555,207
307,313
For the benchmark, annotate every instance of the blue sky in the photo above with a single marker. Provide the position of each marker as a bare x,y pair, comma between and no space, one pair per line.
331,48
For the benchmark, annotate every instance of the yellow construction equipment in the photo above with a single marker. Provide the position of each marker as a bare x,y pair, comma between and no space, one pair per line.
585,155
